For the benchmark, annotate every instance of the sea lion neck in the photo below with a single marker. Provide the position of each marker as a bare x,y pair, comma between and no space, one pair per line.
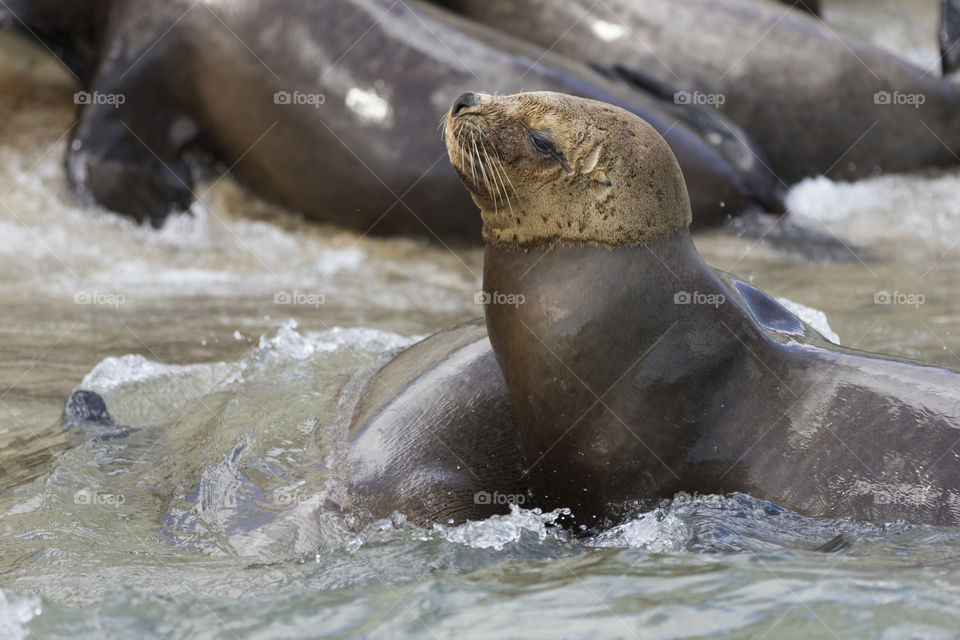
576,283
600,347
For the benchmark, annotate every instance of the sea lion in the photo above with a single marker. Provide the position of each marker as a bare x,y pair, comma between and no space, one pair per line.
329,109
85,417
816,102
433,436
635,372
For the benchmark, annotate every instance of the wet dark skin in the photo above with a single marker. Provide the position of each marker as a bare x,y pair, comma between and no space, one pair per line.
805,92
433,436
204,77
741,396
625,395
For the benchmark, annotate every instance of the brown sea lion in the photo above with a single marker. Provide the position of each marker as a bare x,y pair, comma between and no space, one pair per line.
329,109
817,102
635,371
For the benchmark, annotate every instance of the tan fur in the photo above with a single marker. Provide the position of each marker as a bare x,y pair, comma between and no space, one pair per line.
624,186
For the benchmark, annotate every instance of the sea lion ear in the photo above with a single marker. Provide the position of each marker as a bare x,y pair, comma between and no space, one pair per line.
601,177
590,162
589,167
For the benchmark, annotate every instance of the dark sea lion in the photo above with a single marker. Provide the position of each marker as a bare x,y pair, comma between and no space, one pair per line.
816,102
329,109
86,407
635,372
433,436
86,417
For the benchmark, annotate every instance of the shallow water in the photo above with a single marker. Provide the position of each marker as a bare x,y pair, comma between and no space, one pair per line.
236,341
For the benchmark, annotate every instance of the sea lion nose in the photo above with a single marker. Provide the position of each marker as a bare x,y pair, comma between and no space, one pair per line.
465,100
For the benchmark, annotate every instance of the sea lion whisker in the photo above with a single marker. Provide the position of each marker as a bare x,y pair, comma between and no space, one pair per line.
493,172
473,165
483,171
498,171
461,146
475,157
506,175
493,165
460,138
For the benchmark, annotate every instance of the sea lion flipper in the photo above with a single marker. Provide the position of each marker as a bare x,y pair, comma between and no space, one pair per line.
639,79
119,160
783,234
950,36
126,152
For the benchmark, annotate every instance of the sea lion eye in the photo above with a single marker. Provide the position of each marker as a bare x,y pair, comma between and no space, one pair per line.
541,144
545,147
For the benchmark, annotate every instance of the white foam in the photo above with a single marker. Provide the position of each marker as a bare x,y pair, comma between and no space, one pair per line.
883,211
813,317
496,532
113,372
655,531
331,261
15,612
284,345
289,343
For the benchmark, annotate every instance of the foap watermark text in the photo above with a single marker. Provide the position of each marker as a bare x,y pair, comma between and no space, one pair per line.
299,298
498,297
695,297
899,298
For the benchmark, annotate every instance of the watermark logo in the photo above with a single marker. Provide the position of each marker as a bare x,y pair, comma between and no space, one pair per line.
711,299
288,498
99,298
299,98
298,298
899,98
907,499
97,98
708,500
498,297
88,496
899,297
485,497
699,98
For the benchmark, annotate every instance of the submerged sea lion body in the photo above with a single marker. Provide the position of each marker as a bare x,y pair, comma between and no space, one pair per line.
635,372
816,102
433,436
331,110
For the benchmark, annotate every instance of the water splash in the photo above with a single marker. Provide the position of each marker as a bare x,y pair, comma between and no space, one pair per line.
496,532
813,317
15,612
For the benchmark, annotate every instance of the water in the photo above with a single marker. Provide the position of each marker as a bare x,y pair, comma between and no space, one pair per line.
237,339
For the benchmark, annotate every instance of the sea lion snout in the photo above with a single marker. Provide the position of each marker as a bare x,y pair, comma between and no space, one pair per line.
465,100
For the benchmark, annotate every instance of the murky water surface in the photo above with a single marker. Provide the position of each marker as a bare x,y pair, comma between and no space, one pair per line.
236,341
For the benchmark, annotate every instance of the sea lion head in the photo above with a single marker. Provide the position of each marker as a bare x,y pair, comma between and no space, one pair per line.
548,167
